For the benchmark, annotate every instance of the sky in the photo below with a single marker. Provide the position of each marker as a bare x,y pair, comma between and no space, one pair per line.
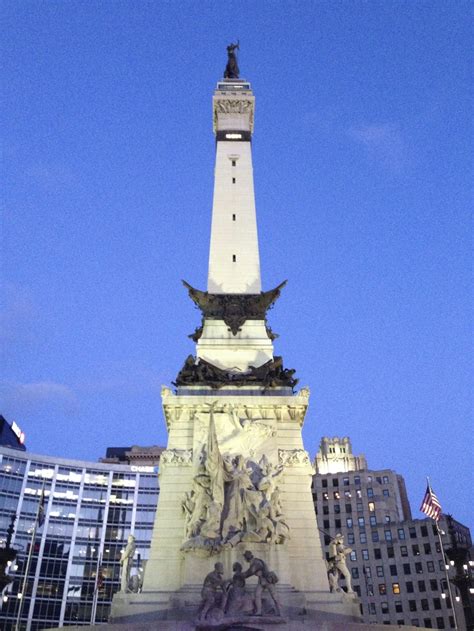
363,168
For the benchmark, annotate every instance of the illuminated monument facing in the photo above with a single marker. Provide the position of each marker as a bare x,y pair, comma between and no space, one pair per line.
235,479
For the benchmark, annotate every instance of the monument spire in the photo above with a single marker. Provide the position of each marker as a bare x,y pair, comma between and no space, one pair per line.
234,262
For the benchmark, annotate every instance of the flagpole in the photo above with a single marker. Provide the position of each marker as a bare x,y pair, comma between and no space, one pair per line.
96,589
28,562
446,566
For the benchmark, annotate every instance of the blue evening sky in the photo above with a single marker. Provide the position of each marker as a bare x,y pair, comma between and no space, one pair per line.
362,159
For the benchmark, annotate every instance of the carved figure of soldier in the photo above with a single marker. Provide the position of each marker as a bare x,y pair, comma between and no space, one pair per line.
266,582
337,560
126,561
213,583
235,597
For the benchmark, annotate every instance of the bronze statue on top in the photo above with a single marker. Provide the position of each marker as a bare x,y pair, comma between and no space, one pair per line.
232,69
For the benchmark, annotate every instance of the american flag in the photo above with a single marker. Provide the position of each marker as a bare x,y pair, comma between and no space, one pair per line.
430,504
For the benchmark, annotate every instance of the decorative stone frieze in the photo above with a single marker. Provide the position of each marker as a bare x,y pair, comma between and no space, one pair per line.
177,457
293,457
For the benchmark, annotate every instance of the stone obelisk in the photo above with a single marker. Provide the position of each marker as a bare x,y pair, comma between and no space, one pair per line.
235,476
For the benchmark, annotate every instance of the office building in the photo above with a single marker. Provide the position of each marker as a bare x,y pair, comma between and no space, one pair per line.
397,565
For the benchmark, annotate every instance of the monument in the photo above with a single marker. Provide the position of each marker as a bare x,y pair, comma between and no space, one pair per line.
235,540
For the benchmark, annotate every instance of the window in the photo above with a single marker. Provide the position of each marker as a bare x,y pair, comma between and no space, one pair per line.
390,552
369,478
347,494
326,524
379,570
348,508
363,537
375,536
385,479
404,551
350,538
325,510
372,609
412,532
388,535
370,492
233,180
377,553
365,555
409,586
382,589
421,586
427,548
415,622
424,531
406,568
401,533
325,497
438,546
393,570
427,623
436,603
440,623
370,589
355,572
424,604
412,605
349,522
357,480
398,605
233,217
337,508
416,549
367,572
234,258
373,520
353,555
324,483
387,519
430,566
371,507
384,607
335,482
337,495
385,493
337,524
396,588
433,584
359,507
361,522
419,567
345,481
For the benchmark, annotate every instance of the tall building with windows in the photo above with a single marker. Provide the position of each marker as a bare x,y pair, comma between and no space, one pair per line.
90,509
397,565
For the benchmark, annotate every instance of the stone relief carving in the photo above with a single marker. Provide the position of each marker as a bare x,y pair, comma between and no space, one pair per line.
292,457
232,499
233,106
176,457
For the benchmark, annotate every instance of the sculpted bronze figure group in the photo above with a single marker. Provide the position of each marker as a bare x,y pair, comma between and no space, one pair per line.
229,598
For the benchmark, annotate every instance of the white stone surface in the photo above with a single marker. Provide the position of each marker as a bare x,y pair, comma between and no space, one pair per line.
249,347
234,263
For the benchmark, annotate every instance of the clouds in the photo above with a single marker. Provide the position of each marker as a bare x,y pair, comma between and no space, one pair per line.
383,142
23,399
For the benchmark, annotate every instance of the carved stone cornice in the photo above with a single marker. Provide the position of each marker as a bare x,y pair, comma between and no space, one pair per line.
177,457
294,457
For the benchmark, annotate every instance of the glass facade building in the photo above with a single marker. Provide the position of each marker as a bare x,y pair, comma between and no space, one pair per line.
89,511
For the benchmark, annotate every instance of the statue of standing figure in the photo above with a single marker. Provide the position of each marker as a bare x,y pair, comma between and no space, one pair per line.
126,562
337,565
232,68
213,583
266,582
